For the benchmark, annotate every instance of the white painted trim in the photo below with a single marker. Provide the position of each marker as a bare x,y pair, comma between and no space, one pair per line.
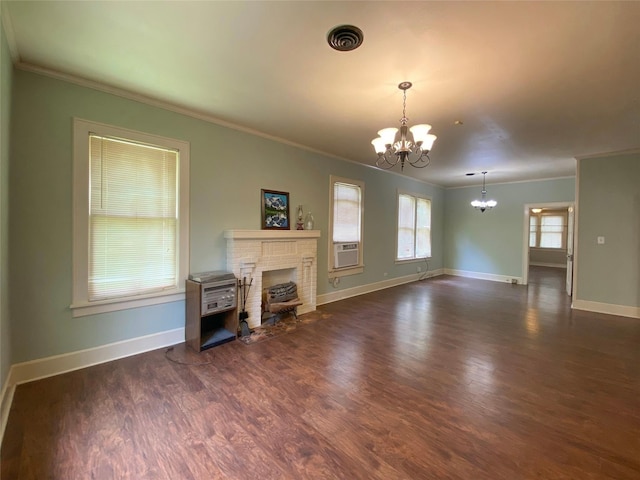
482,276
93,308
68,362
526,231
172,107
553,265
5,405
7,23
345,271
475,185
576,237
526,227
137,97
373,287
607,308
608,154
270,234
156,102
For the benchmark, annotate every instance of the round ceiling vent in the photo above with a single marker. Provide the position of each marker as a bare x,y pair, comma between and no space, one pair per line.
345,38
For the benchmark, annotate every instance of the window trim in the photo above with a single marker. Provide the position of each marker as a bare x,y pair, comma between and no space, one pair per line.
401,261
80,305
356,269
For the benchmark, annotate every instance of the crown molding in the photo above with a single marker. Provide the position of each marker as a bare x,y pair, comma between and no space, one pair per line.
9,33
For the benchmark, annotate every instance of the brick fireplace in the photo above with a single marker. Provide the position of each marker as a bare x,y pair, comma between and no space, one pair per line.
290,254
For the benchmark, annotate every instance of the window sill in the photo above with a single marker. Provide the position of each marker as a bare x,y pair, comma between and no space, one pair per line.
82,309
412,260
343,272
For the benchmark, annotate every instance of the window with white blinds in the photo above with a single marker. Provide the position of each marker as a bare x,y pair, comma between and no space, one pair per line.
347,211
133,218
548,230
552,230
130,218
414,227
346,222
533,231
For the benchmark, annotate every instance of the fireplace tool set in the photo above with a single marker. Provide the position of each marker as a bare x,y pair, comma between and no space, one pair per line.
243,288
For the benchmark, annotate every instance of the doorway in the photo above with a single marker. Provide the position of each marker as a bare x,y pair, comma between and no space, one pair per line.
548,240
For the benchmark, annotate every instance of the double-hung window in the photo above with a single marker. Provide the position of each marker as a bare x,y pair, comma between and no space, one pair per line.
345,225
414,227
548,230
130,218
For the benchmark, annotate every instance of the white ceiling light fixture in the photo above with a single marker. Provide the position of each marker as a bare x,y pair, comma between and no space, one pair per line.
389,145
483,203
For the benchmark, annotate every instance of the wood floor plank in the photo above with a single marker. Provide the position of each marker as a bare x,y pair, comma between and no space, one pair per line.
447,378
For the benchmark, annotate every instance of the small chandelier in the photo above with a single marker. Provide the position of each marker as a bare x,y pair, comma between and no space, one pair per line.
388,145
483,203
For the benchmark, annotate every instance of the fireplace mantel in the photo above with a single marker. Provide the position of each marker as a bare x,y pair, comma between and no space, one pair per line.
270,234
252,253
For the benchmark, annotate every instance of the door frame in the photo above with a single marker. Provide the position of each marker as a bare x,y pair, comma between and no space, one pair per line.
525,236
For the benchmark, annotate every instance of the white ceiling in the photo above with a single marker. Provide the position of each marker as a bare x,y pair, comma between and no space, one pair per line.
535,84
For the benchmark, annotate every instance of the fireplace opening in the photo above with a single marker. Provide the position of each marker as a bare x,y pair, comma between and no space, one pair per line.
279,275
280,299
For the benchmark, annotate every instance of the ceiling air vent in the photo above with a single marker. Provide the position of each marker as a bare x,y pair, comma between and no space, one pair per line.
345,38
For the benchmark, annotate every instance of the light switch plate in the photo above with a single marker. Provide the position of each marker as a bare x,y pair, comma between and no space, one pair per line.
600,240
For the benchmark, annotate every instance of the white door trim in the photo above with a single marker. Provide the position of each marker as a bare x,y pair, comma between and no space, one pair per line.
525,236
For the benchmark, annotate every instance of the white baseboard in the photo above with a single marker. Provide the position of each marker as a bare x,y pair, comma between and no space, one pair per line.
373,287
5,405
67,362
483,276
57,364
608,308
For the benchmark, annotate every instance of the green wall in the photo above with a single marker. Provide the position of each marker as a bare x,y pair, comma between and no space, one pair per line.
228,169
6,74
492,242
609,206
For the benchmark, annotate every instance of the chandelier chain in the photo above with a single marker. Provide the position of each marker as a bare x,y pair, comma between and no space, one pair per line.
404,106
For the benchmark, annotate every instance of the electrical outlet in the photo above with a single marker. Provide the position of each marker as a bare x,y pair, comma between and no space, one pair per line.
386,274
419,269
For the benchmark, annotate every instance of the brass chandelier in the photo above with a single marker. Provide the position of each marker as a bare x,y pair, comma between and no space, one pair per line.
412,148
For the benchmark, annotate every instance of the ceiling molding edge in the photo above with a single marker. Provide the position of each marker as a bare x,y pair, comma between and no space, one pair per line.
154,102
515,181
609,154
10,35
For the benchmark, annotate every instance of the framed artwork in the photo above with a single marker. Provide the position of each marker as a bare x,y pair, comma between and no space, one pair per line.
275,210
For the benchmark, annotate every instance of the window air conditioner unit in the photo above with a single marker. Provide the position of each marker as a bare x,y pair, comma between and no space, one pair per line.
346,254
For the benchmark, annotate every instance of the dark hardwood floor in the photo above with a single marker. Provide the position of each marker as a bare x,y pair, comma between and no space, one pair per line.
447,378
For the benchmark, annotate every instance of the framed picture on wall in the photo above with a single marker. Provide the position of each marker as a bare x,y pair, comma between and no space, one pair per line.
275,210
